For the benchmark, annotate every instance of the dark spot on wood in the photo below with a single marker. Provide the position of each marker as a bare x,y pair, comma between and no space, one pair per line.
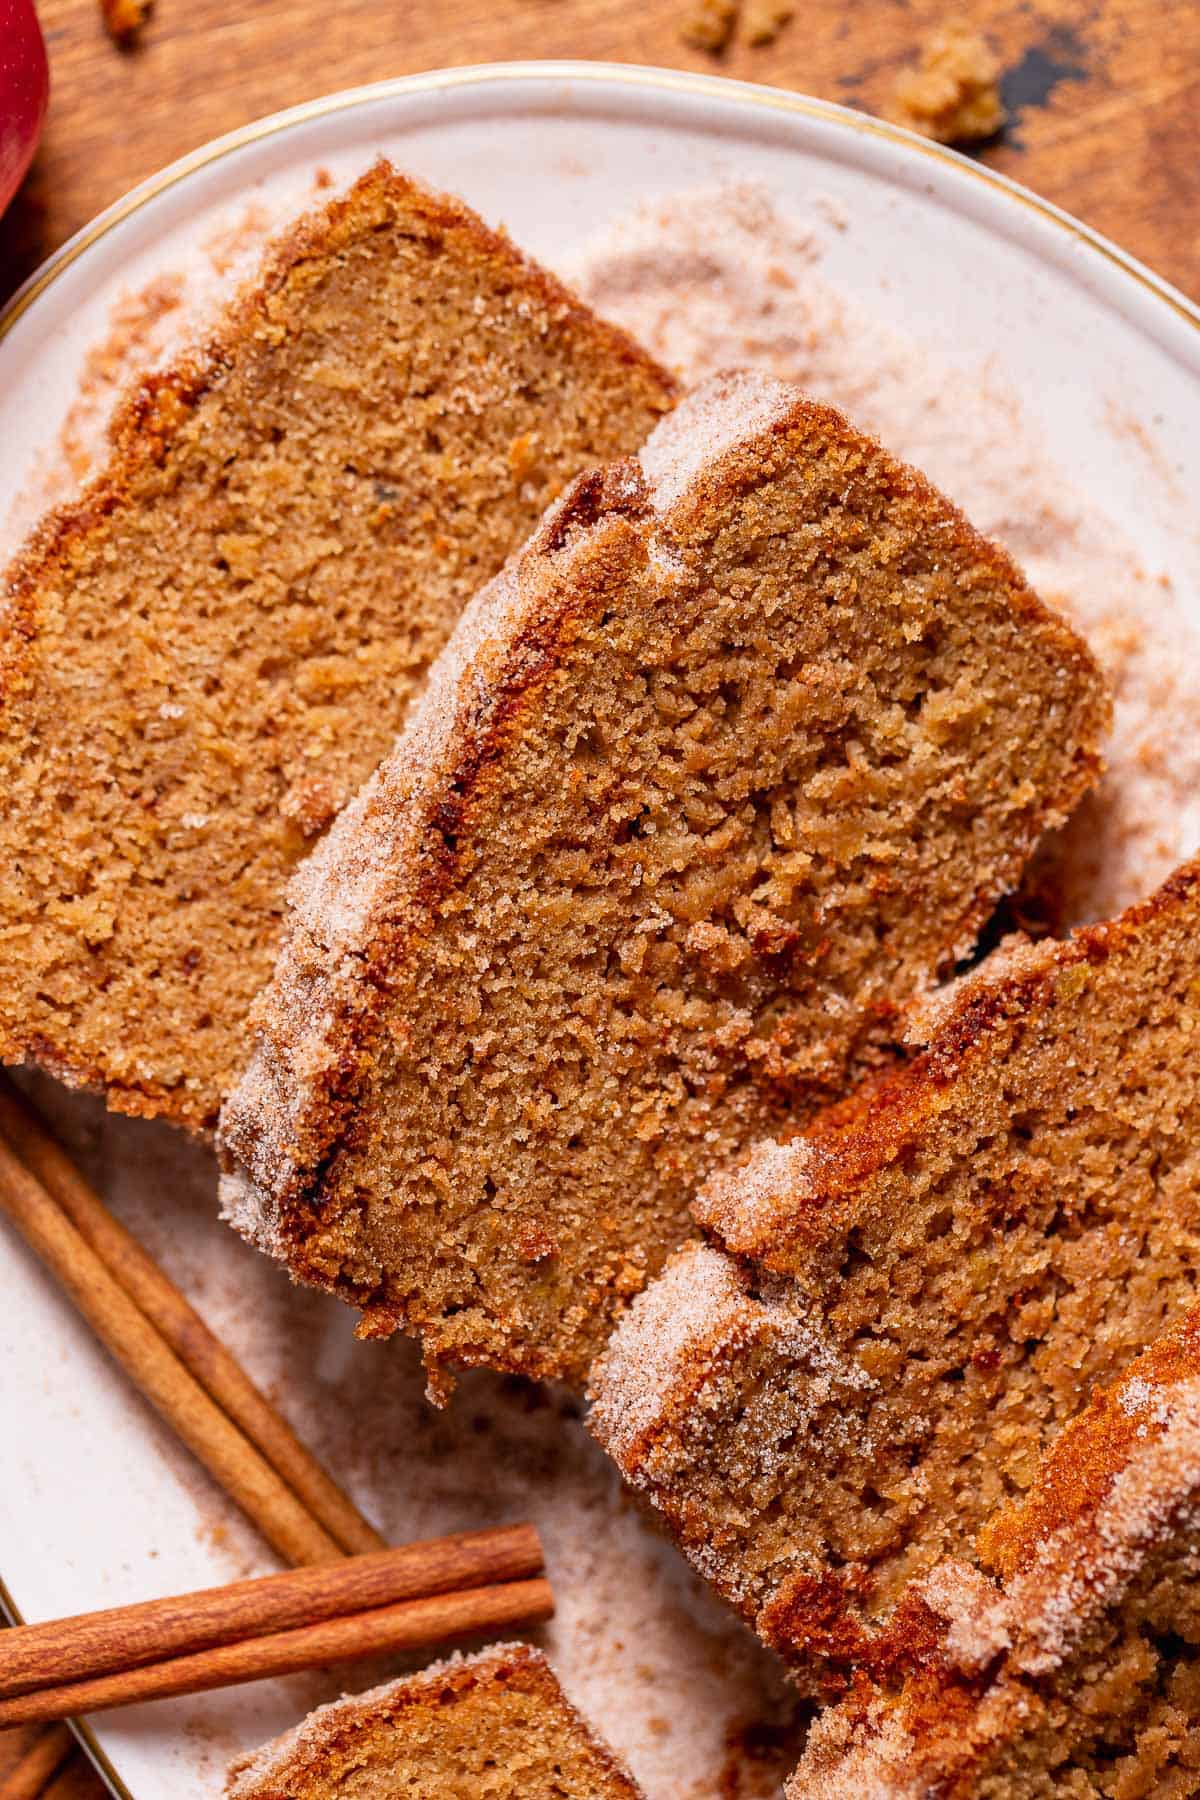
1060,57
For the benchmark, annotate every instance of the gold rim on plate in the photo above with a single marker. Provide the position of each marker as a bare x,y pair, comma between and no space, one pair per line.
713,87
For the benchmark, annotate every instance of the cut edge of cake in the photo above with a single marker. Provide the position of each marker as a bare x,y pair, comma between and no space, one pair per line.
669,1391
149,414
769,1210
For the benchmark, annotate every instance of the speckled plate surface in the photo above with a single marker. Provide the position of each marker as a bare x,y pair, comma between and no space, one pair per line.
96,1504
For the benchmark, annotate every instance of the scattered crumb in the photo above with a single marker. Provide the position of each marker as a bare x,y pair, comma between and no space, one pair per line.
226,246
832,211
953,94
138,326
123,19
765,19
708,24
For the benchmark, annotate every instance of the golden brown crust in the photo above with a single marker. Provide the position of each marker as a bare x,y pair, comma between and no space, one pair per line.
151,415
1078,1471
332,1118
1004,1688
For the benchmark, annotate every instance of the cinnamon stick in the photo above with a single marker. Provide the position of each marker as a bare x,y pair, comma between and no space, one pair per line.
409,1625
134,1343
178,1322
127,1637
29,1778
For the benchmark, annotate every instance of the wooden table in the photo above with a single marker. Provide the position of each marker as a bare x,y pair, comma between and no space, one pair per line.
1106,93
1105,97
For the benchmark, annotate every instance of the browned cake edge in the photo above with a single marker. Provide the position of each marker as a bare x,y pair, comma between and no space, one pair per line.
1078,1470
1112,1485
264,1774
773,1207
694,1322
676,1331
156,409
317,1025
283,1127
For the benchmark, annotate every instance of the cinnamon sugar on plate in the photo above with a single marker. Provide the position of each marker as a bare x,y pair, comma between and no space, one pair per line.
140,327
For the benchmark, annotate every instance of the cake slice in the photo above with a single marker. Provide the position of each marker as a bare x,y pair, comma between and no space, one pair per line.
926,1285
202,659
741,747
1080,1674
495,1726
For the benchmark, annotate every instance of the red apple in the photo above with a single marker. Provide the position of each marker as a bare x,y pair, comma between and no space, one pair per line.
24,90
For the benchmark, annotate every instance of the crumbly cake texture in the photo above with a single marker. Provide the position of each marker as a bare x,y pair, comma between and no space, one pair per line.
924,1286
496,1726
723,276
737,752
1078,1673
203,658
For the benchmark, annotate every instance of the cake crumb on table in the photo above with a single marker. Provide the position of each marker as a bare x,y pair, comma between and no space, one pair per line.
708,24
764,20
953,94
123,19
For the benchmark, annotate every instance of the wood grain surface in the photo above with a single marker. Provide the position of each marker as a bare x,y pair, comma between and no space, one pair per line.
1104,94
1104,98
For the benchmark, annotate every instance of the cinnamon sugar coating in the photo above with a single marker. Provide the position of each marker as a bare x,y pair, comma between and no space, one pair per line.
925,1286
708,780
1078,1671
494,1726
203,658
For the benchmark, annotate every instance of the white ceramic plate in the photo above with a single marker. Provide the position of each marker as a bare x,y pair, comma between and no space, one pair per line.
96,1504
